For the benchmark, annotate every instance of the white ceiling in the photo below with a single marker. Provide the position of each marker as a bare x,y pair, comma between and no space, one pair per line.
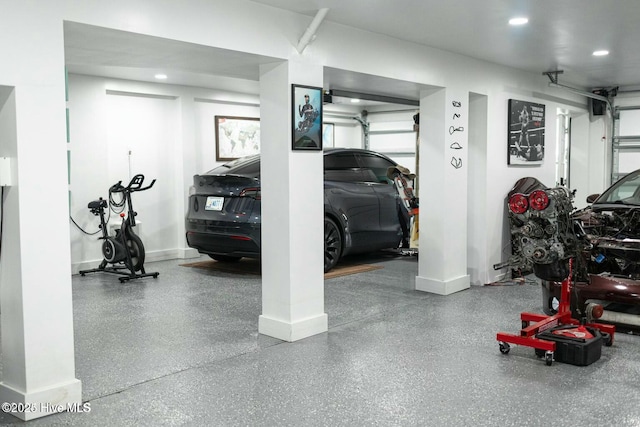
106,52
560,35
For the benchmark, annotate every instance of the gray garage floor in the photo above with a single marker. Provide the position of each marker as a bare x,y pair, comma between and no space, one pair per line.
184,350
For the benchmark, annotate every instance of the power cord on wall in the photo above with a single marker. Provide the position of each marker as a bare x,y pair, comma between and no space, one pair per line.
114,205
80,228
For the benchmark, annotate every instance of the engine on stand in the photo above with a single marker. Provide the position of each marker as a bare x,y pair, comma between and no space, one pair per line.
542,230
547,237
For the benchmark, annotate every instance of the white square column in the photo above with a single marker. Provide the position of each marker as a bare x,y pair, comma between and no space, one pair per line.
442,265
38,372
292,211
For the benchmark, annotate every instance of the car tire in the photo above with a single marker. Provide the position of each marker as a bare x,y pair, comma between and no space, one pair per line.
332,244
225,258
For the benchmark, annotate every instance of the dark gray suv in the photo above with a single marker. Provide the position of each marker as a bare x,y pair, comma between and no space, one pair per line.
362,212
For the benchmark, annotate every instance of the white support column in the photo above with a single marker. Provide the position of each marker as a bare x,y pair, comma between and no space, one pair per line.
292,212
38,372
38,363
478,255
442,266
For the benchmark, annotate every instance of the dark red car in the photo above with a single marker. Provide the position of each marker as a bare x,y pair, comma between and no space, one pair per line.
602,239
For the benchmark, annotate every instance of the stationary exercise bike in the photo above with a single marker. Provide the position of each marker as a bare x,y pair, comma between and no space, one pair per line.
125,250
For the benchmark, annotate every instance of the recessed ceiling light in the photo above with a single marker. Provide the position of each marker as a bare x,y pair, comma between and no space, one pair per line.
601,53
518,21
355,100
161,76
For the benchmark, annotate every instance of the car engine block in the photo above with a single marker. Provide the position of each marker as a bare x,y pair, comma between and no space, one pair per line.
545,235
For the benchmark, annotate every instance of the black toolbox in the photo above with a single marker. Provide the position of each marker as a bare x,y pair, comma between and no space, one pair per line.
575,345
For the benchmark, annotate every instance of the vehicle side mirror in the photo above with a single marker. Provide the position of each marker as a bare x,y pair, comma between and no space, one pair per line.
592,198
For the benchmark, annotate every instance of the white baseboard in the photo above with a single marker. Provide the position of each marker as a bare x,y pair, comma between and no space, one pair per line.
151,256
293,331
42,402
441,287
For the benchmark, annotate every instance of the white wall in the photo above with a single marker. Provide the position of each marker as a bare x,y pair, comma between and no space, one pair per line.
254,28
476,250
7,122
142,136
37,324
501,177
205,137
122,128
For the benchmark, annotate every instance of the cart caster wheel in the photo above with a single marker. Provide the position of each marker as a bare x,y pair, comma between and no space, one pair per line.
504,347
539,353
608,340
525,324
548,358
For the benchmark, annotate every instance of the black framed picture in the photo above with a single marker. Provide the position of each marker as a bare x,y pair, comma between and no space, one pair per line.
306,122
236,137
525,139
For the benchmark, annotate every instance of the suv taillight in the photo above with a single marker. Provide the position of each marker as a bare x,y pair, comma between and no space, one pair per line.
251,192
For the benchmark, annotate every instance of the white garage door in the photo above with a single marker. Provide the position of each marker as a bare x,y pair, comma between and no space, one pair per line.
626,142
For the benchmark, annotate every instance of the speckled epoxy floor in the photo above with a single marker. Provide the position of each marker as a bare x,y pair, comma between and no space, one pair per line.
184,350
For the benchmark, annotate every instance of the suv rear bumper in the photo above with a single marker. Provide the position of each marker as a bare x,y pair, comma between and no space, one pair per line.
224,243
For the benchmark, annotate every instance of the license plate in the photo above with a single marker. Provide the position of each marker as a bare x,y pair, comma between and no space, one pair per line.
214,203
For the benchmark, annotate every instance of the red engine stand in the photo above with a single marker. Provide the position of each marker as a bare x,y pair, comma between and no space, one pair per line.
541,323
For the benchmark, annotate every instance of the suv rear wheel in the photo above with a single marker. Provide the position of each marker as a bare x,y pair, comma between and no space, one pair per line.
332,244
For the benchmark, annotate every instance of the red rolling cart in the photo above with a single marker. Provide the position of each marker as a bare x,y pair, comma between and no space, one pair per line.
536,325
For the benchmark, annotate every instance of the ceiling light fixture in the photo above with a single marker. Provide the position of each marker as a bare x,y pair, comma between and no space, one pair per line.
355,100
518,21
161,76
601,53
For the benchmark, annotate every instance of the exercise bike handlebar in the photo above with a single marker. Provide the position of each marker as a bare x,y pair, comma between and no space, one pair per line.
134,185
145,188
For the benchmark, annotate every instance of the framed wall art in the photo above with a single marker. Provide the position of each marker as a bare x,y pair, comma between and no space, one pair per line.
525,139
306,120
236,137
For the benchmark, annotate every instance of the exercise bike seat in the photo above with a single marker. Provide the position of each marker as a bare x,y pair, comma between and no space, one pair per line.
97,204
